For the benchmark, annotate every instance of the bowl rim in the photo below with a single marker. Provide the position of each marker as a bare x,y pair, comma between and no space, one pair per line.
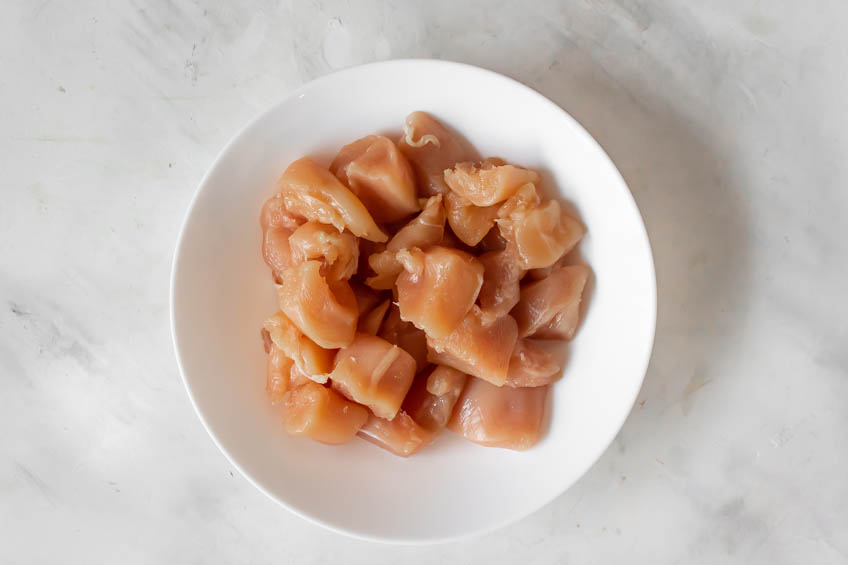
579,130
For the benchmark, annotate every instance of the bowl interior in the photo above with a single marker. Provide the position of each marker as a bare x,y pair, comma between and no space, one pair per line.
222,291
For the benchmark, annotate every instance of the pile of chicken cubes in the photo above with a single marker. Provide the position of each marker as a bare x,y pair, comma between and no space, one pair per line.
420,288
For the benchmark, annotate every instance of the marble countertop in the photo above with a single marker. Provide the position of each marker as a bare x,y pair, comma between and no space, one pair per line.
727,119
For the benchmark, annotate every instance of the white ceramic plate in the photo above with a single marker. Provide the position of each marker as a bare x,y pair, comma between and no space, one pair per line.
221,291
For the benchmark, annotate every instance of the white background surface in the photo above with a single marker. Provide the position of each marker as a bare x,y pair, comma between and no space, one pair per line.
728,121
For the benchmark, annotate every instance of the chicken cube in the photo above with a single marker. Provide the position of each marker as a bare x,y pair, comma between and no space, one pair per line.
278,374
437,288
431,149
499,416
550,308
310,359
276,250
487,183
401,435
525,199
337,251
326,313
476,347
275,215
424,230
322,414
311,191
374,372
432,397
406,336
379,175
541,235
277,226
470,223
534,363
501,277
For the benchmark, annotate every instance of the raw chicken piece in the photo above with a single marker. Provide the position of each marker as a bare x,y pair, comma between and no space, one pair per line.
370,322
386,268
563,325
431,399
311,191
310,359
298,377
276,251
550,308
470,223
477,348
532,365
400,435
487,183
541,235
406,336
425,230
432,148
379,175
277,225
275,215
338,252
374,372
322,414
500,290
437,288
326,313
278,374
525,198
499,416
445,380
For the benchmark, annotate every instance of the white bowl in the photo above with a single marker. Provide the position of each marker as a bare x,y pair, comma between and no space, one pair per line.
221,291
